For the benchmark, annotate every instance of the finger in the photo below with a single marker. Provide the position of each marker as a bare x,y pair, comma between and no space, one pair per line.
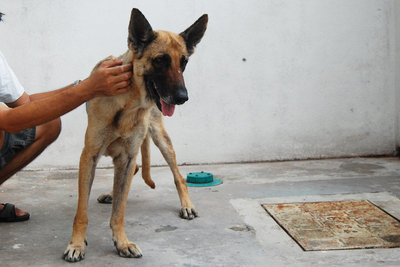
122,77
110,57
123,90
118,91
122,85
127,67
120,69
111,63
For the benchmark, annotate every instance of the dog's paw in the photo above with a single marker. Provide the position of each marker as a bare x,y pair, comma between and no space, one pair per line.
105,198
75,252
188,213
128,250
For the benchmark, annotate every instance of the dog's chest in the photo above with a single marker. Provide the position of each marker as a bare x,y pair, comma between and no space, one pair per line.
130,122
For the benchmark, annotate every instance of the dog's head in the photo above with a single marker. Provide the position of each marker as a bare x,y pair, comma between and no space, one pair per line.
160,57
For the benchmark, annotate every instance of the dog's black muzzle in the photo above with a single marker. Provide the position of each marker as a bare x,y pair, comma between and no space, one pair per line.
180,97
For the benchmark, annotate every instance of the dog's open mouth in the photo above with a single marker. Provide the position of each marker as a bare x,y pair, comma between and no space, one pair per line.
165,108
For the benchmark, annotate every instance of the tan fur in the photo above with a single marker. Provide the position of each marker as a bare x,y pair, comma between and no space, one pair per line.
121,139
145,151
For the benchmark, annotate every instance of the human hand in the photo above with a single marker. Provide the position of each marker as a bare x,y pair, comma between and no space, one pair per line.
110,78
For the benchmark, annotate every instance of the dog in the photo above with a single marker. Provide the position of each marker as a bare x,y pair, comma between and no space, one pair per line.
119,125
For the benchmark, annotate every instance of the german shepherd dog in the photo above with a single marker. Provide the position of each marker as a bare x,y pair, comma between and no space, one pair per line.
119,125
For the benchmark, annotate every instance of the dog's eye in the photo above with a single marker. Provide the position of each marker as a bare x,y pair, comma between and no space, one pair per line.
161,61
184,61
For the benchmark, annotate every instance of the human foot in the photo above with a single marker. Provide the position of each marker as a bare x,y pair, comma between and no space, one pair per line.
9,213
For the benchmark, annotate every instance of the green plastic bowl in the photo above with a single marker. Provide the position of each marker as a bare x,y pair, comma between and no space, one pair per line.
201,179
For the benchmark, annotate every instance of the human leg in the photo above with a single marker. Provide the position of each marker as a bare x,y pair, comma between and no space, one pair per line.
45,135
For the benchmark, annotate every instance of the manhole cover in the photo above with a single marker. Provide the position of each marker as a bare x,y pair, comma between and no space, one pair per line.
337,224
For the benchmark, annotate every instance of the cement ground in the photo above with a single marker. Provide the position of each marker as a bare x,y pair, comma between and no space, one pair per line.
232,230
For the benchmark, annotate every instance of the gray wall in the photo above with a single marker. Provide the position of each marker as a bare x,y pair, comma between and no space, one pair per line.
271,80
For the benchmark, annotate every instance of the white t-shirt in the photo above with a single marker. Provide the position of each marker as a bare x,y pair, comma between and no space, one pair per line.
10,88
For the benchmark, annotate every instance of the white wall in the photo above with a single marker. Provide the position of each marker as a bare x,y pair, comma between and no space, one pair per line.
272,79
396,30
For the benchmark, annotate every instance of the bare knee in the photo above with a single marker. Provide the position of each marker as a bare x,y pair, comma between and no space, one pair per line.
53,130
50,131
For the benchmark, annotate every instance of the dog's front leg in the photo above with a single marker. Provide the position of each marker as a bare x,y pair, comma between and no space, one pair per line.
163,142
76,248
124,168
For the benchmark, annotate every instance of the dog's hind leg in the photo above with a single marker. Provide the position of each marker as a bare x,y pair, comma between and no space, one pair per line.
76,249
145,150
106,198
124,169
163,142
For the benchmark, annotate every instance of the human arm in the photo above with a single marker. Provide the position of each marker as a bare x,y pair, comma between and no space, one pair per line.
110,78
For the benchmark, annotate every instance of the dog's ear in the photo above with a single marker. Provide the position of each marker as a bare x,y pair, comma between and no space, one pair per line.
194,33
140,32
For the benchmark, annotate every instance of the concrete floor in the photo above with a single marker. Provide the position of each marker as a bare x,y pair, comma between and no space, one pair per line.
232,230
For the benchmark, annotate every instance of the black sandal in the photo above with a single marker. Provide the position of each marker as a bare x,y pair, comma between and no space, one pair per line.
7,214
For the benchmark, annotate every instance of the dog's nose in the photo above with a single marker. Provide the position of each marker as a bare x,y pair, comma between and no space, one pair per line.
181,97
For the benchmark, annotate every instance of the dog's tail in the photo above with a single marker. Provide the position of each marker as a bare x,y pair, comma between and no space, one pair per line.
145,150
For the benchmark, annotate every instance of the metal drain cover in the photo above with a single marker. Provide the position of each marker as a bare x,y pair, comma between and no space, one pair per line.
337,224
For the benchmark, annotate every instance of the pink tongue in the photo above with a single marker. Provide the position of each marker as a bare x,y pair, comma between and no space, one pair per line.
167,109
